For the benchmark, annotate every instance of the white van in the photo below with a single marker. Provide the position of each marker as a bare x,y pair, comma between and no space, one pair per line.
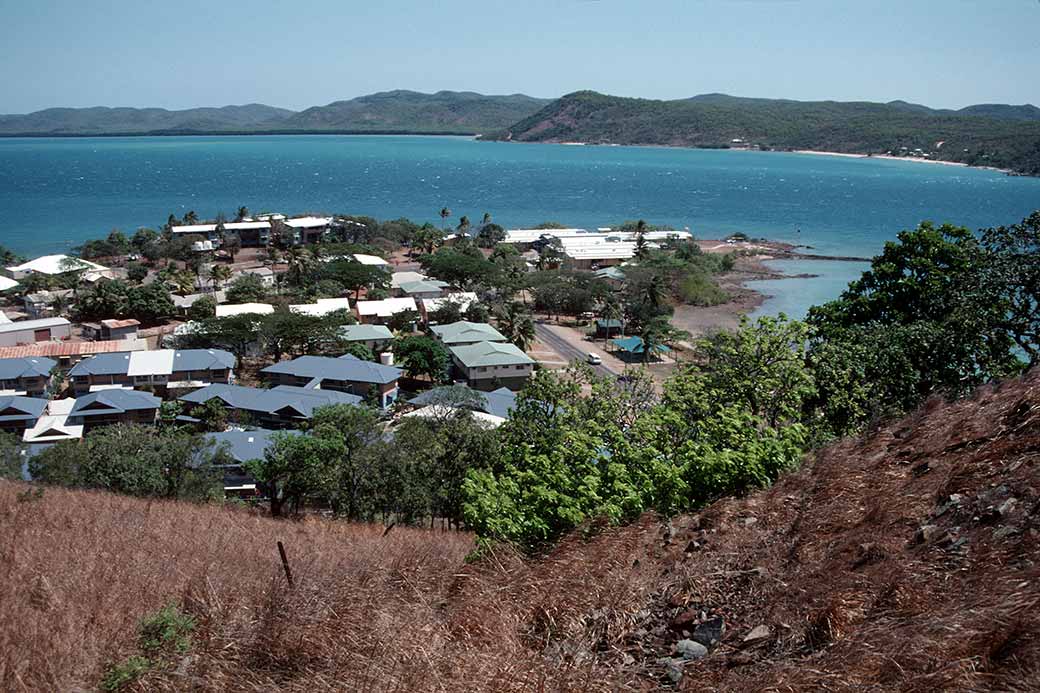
593,359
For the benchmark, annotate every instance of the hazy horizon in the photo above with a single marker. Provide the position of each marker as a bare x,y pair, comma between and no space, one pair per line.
198,54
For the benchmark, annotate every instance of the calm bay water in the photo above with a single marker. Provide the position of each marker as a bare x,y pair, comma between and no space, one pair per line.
56,193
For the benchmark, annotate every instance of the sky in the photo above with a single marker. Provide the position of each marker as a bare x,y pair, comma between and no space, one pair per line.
942,53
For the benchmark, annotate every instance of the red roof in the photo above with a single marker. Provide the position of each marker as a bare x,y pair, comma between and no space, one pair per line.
116,324
61,349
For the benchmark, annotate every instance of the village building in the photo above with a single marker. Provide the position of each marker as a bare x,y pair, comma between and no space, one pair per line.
378,312
405,277
463,299
488,366
43,304
18,412
266,275
67,354
424,288
160,370
308,230
229,309
238,447
114,406
344,374
31,331
371,260
278,407
375,337
6,284
53,426
321,307
183,303
498,403
29,376
463,333
52,265
527,239
111,329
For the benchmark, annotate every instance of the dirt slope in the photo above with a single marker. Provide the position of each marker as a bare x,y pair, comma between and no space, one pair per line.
904,560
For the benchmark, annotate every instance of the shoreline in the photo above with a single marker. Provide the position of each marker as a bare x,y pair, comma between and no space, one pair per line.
913,159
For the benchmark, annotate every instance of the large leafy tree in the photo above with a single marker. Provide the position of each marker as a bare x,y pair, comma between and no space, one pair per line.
422,356
296,469
517,325
354,276
246,288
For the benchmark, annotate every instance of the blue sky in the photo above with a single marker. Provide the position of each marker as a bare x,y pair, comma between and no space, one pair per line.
943,53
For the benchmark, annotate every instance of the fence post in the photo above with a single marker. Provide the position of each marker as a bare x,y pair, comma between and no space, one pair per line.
285,565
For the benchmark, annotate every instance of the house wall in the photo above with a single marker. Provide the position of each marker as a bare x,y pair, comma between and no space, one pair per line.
487,378
28,336
81,384
30,386
140,416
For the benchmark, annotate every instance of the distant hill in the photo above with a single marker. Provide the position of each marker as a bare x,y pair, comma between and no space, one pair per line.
990,135
392,111
410,111
102,120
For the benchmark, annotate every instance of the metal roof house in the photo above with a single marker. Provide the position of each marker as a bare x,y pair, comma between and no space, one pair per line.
32,331
488,366
375,337
52,265
464,332
498,403
375,312
113,406
18,413
424,288
343,374
240,447
280,407
26,376
53,426
162,369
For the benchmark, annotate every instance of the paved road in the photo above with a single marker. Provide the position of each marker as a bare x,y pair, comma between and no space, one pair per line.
566,350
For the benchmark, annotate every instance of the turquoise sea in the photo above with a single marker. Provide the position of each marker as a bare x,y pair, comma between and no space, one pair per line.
55,193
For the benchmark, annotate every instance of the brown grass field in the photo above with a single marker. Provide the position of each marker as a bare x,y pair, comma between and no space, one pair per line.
833,560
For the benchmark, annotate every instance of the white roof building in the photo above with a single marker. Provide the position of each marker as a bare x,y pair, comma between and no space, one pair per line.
308,222
53,264
532,235
229,309
464,299
385,308
374,260
52,427
7,283
323,306
228,226
398,278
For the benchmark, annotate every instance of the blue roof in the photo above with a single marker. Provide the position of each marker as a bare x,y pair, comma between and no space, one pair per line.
497,402
31,367
345,368
634,345
246,445
302,400
18,408
109,401
183,360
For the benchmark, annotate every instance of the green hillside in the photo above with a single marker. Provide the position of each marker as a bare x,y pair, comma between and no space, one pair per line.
409,111
717,120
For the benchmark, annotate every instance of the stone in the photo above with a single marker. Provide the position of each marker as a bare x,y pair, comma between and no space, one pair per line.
757,634
690,649
710,632
672,667
1007,506
926,534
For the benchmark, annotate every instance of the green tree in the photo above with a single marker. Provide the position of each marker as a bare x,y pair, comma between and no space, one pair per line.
422,356
203,308
246,288
10,457
220,274
295,469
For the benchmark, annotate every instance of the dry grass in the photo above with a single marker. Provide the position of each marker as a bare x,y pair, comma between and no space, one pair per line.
831,560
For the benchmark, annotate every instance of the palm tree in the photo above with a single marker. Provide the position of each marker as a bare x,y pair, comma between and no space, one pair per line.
611,310
653,291
463,224
445,213
183,282
243,212
301,262
516,324
486,220
549,256
191,217
220,274
642,249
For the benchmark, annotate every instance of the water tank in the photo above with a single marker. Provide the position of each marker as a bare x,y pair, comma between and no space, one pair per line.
386,358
